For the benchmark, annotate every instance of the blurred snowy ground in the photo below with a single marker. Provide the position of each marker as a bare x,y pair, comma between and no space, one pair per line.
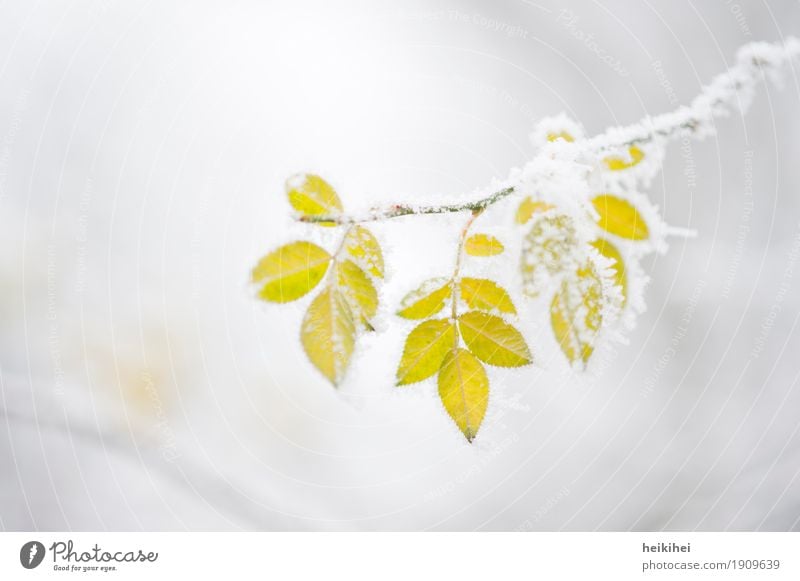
144,150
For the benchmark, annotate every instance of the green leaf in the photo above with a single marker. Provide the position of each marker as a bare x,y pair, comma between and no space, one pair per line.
617,163
328,334
427,300
483,245
464,390
620,277
356,287
291,271
424,350
486,295
310,195
493,340
620,217
576,314
365,251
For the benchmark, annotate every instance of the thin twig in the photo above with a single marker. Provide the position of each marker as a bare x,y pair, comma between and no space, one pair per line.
399,210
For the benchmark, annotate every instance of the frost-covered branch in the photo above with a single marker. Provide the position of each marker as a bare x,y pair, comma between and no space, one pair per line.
734,87
398,210
726,91
585,224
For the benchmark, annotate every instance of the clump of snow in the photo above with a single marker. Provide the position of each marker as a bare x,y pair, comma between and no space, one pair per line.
552,128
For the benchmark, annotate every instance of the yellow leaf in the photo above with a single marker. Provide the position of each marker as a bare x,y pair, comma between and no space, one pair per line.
310,195
328,334
619,217
356,287
528,207
493,340
424,350
576,314
561,135
290,271
464,390
620,277
427,300
485,295
483,245
616,163
365,250
547,250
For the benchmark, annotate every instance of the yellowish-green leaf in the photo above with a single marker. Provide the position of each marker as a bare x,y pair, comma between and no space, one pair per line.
310,195
328,334
493,341
427,300
620,217
620,276
356,287
528,207
576,314
547,250
561,135
424,350
291,271
486,295
464,390
617,163
363,247
483,245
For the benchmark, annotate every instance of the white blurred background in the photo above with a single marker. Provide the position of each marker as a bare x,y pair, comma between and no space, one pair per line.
143,151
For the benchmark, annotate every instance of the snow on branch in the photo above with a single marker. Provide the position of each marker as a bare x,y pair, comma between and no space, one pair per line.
734,87
728,91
